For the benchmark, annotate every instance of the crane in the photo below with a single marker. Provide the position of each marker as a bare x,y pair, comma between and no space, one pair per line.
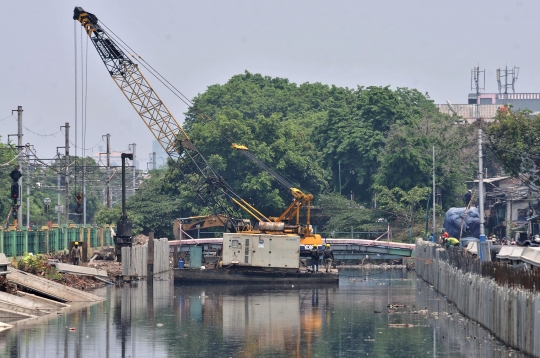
209,186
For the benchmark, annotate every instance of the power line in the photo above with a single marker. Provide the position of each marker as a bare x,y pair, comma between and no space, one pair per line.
8,117
41,135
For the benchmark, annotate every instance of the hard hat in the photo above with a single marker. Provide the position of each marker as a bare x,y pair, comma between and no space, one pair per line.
327,245
470,191
76,243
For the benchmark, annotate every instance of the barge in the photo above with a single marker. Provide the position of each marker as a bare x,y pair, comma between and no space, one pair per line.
257,259
187,275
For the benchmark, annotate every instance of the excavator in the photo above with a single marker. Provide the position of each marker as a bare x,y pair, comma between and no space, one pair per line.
123,65
191,223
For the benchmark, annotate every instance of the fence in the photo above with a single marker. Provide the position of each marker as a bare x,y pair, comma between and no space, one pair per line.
503,300
503,274
15,243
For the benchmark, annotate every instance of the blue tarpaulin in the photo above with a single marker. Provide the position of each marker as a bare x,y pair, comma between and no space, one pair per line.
471,222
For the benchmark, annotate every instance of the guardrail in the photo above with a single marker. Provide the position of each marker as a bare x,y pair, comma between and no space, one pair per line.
15,243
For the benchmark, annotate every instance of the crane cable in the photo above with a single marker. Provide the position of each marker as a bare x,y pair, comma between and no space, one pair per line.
223,183
138,58
83,107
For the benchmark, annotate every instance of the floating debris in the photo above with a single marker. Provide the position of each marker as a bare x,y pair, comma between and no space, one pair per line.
400,325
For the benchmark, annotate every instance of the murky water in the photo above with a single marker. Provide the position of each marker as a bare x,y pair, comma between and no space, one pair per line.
352,320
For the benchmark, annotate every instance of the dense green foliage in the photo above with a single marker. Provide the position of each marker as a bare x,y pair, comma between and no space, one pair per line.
514,140
151,208
381,139
7,154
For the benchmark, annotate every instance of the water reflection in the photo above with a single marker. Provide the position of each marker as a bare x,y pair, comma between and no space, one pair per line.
163,320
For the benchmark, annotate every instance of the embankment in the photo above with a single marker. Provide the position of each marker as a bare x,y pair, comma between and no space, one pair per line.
512,314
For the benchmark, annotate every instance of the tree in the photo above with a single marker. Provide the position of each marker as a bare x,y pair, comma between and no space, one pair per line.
341,213
7,155
513,138
402,206
274,119
406,160
355,128
152,208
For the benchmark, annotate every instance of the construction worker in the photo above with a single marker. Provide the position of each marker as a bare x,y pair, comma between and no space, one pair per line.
467,198
314,259
76,253
328,257
452,241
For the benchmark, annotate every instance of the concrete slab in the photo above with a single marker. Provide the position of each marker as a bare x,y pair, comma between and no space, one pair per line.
49,288
9,314
5,326
42,301
21,304
80,270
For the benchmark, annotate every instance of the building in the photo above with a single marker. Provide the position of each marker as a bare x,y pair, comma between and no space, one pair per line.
490,104
509,205
115,158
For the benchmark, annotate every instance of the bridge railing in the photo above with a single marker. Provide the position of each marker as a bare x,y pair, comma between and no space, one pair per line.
16,243
366,235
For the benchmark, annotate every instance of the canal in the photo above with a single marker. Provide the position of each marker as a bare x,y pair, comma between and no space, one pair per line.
373,312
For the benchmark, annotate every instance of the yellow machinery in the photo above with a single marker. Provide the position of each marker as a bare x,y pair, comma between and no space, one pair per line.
204,179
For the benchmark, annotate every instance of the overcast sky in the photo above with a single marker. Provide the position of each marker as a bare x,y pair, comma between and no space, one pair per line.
428,45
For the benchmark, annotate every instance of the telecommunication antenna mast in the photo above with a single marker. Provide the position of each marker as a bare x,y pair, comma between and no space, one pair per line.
505,73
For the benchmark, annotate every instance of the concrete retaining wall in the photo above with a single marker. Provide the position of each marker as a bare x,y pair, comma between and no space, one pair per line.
135,260
161,255
512,315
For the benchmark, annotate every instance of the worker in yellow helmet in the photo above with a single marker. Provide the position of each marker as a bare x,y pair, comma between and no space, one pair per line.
76,253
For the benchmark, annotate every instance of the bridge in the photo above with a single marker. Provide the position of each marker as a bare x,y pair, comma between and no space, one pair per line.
344,249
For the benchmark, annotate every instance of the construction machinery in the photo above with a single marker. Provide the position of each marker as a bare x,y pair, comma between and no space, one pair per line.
191,223
204,180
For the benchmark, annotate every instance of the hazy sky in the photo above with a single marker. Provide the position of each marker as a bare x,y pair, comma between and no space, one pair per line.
429,45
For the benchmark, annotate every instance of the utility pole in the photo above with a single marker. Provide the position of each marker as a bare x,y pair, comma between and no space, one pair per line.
84,191
124,226
476,77
339,175
108,193
19,111
133,147
434,232
67,174
58,183
27,189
